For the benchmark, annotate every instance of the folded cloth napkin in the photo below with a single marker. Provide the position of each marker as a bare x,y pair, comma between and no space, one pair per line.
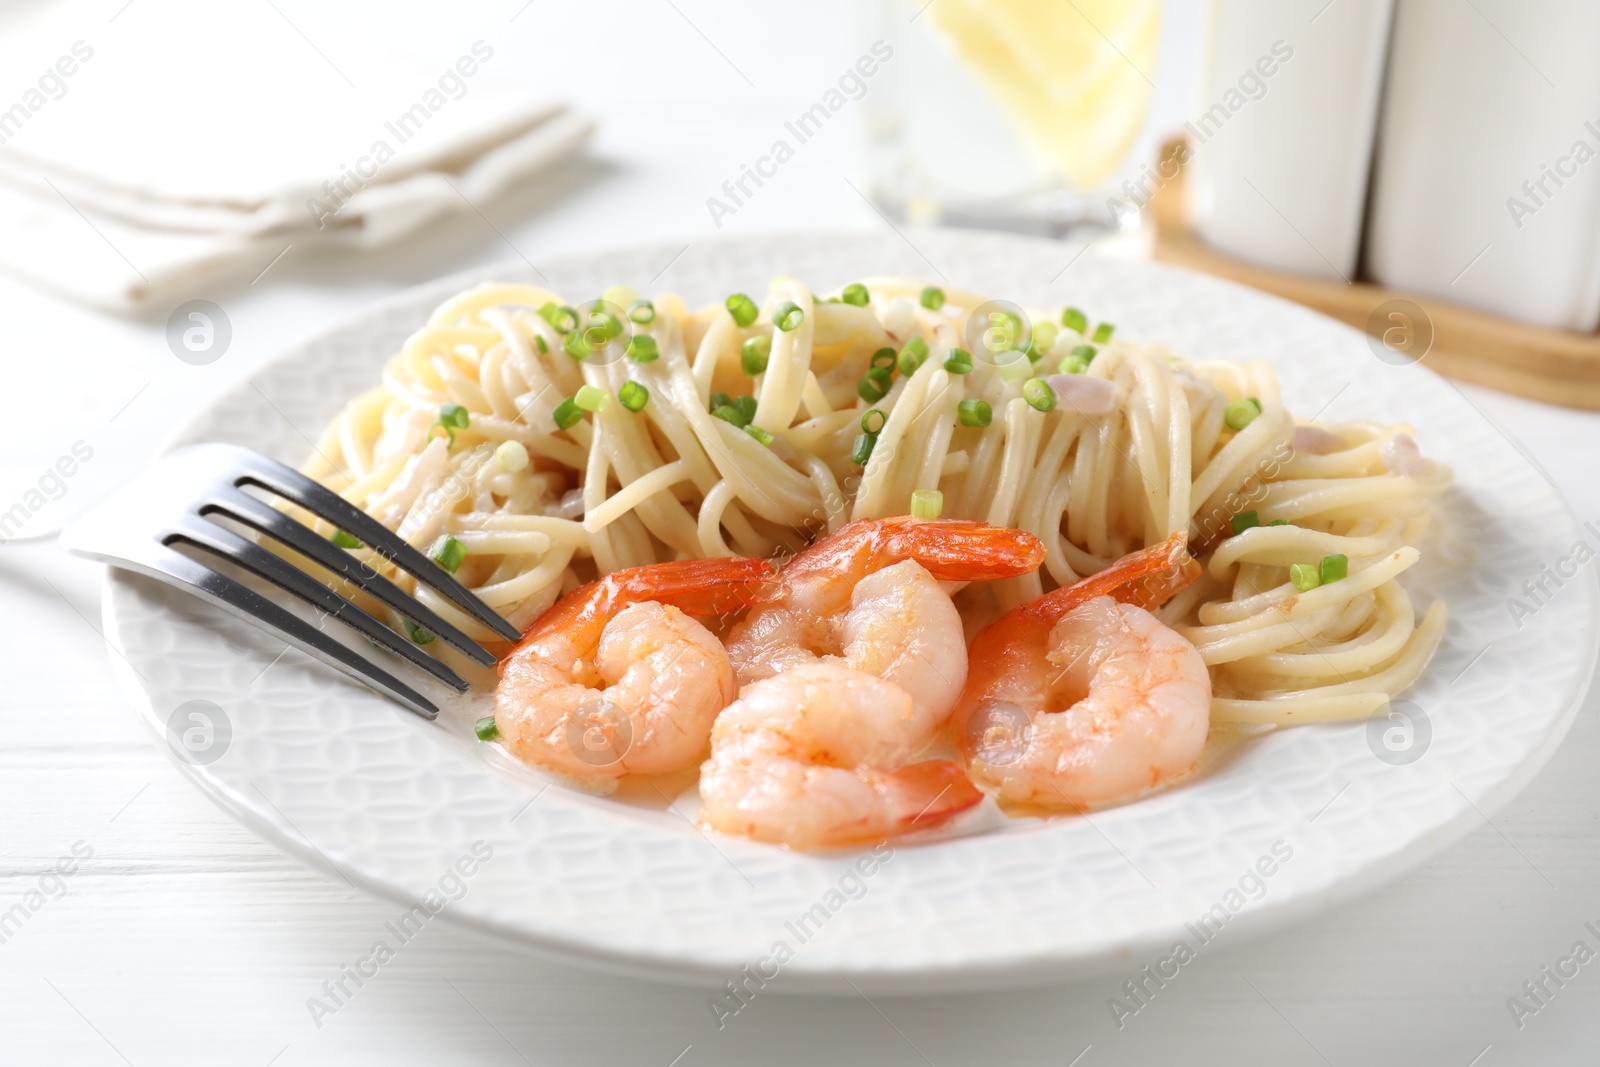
147,158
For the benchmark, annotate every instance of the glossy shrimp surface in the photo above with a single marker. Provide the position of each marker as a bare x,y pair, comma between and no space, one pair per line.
617,678
819,756
868,597
1082,697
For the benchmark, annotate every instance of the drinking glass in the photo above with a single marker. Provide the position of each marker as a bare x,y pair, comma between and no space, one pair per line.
1012,114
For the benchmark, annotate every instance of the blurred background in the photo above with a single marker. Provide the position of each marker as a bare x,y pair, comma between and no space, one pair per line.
1422,169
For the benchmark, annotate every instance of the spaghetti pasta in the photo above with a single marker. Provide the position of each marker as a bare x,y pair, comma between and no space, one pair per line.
1120,445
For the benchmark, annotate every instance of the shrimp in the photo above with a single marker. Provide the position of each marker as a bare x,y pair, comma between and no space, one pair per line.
1082,697
868,596
617,679
819,756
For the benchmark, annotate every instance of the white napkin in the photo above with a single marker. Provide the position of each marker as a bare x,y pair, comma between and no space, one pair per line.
151,153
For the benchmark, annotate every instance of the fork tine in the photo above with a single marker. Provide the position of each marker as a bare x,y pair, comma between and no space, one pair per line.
260,516
271,475
218,589
210,537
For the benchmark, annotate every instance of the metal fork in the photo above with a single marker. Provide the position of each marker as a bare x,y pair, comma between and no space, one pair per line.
175,503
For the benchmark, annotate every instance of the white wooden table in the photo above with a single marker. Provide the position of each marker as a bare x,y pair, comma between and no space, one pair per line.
181,938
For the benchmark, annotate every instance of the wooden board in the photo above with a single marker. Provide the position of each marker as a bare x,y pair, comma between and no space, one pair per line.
1556,366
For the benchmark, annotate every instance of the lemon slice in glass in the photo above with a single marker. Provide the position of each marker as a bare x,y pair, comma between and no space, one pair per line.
1073,75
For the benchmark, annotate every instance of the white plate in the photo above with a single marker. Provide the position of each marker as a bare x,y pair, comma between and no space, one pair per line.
351,783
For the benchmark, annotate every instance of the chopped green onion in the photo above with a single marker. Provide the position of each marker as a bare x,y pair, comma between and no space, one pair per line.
576,344
719,398
634,396
1073,319
620,295
448,553
1102,333
883,357
759,434
933,298
591,398
1304,576
1241,413
1044,334
642,311
1278,522
1038,394
873,420
418,634
452,417
1077,361
642,348
607,324
1031,350
512,456
486,729
742,308
912,356
567,414
560,316
1245,520
926,503
1332,568
787,316
959,361
856,294
974,412
729,413
738,411
871,387
344,540
861,451
754,354
544,349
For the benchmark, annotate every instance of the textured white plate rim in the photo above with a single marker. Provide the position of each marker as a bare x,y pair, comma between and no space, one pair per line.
639,960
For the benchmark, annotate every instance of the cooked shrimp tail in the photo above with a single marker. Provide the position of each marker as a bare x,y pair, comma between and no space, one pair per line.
1147,579
927,793
952,550
701,587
